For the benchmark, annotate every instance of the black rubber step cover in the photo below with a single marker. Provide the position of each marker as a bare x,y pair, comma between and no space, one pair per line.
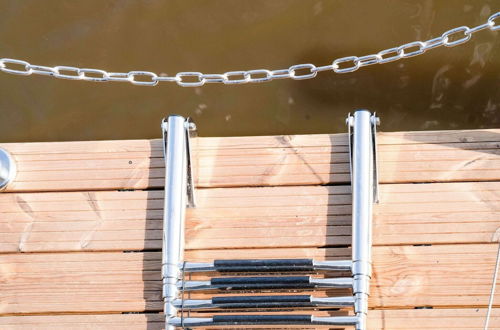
261,319
263,301
264,265
264,282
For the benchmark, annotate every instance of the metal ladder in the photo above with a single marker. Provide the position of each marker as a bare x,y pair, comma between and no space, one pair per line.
179,194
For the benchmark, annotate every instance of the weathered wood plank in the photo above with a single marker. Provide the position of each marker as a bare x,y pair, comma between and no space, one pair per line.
249,217
405,276
436,319
256,161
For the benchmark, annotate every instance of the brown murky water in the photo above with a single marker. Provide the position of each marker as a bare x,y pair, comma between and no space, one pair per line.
446,88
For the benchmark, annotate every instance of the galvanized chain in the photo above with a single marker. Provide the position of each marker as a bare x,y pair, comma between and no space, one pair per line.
347,64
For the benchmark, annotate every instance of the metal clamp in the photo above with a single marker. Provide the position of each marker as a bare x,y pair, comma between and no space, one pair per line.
8,169
191,132
374,121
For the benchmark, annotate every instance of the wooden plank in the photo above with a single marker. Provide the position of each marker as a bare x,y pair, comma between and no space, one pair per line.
295,219
311,216
244,142
409,319
256,161
405,276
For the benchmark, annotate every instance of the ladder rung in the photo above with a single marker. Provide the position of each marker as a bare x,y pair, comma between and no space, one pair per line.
219,320
267,265
266,282
264,302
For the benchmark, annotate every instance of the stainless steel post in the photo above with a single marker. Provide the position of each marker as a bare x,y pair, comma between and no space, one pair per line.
362,201
175,152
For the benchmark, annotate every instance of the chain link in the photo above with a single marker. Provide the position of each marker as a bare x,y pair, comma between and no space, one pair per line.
346,64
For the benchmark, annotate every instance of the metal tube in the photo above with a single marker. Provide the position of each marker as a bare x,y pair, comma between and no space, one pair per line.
237,320
333,265
246,302
254,266
257,283
362,201
339,282
198,267
174,211
334,320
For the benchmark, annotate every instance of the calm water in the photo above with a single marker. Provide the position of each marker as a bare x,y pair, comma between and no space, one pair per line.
445,88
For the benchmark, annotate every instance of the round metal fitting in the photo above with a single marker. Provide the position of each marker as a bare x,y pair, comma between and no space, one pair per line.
7,168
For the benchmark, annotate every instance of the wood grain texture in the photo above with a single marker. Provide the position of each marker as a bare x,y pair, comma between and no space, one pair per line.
309,216
404,277
256,161
409,319
265,202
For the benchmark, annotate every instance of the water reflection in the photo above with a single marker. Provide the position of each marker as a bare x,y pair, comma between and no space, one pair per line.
445,88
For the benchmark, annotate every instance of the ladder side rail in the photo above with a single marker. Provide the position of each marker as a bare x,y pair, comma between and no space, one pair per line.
175,143
362,204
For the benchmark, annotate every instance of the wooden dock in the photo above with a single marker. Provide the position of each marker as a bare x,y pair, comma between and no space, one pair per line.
81,225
